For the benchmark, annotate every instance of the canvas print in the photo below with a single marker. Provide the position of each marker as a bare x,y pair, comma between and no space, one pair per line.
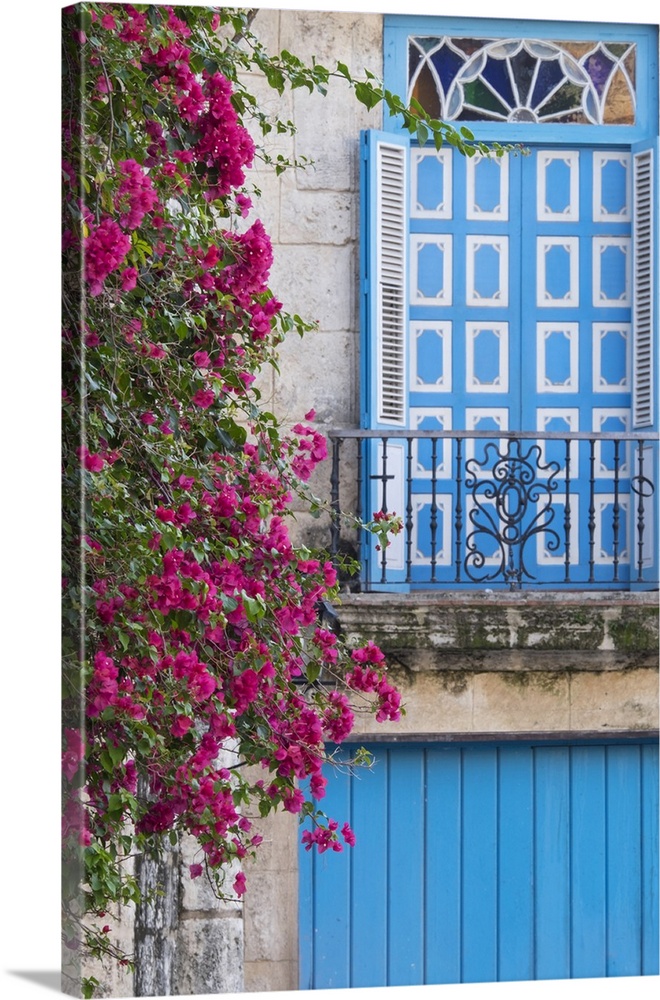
360,505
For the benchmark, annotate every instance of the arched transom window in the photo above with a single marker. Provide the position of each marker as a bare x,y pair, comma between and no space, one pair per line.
523,79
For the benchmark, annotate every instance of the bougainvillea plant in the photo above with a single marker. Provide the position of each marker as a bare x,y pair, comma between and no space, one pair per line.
191,622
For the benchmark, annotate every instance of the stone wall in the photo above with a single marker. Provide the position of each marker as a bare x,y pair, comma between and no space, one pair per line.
312,216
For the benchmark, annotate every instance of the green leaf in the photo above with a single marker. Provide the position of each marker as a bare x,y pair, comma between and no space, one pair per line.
422,133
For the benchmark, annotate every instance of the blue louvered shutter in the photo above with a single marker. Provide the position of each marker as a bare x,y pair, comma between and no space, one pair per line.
645,351
384,324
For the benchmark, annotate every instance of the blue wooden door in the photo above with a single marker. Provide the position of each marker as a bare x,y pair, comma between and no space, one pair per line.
487,863
519,318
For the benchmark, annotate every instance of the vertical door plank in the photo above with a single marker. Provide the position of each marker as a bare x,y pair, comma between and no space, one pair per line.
443,866
650,811
332,901
516,864
479,867
406,889
624,904
370,874
588,853
552,863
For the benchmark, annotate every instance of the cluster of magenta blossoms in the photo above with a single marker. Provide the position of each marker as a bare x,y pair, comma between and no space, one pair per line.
202,638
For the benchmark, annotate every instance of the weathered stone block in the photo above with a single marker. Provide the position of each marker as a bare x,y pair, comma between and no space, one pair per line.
272,939
209,956
524,702
614,700
320,272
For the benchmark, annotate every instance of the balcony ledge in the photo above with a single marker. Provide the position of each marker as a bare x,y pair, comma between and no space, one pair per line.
503,631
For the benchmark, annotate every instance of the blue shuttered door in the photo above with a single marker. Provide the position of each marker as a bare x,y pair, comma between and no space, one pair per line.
487,863
519,294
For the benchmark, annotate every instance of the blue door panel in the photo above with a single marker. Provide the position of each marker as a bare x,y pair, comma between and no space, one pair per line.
516,866
651,879
485,863
442,928
552,863
588,871
479,867
624,886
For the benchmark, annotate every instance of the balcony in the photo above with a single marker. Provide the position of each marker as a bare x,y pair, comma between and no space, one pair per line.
499,510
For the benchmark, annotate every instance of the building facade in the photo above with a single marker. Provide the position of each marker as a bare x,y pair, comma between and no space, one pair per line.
483,367
482,320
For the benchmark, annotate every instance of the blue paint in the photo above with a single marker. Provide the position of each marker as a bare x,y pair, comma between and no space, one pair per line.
487,185
614,197
430,360
487,863
430,183
430,276
614,274
557,181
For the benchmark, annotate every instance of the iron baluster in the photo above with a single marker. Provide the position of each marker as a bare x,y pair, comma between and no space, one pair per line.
434,507
640,508
409,510
567,513
615,513
592,507
458,520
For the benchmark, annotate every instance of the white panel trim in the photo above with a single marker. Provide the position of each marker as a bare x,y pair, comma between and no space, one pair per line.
444,208
572,211
600,415
473,414
600,245
543,556
444,297
443,415
572,245
501,245
600,158
572,333
501,331
395,500
443,555
601,502
472,211
544,414
444,332
599,331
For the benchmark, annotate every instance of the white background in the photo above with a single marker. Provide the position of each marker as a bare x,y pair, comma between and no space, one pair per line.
29,544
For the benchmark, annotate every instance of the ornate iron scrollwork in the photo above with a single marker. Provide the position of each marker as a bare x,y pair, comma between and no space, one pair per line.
510,493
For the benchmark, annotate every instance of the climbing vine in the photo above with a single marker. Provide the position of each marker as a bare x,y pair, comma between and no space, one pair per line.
192,635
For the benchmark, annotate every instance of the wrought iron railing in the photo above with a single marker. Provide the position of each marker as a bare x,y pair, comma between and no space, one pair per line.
500,509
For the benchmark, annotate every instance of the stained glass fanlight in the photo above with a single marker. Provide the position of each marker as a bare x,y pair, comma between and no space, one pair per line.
523,80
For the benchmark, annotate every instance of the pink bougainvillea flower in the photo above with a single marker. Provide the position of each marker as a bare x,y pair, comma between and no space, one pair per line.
148,418
196,870
129,279
91,462
201,359
181,725
239,884
204,398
